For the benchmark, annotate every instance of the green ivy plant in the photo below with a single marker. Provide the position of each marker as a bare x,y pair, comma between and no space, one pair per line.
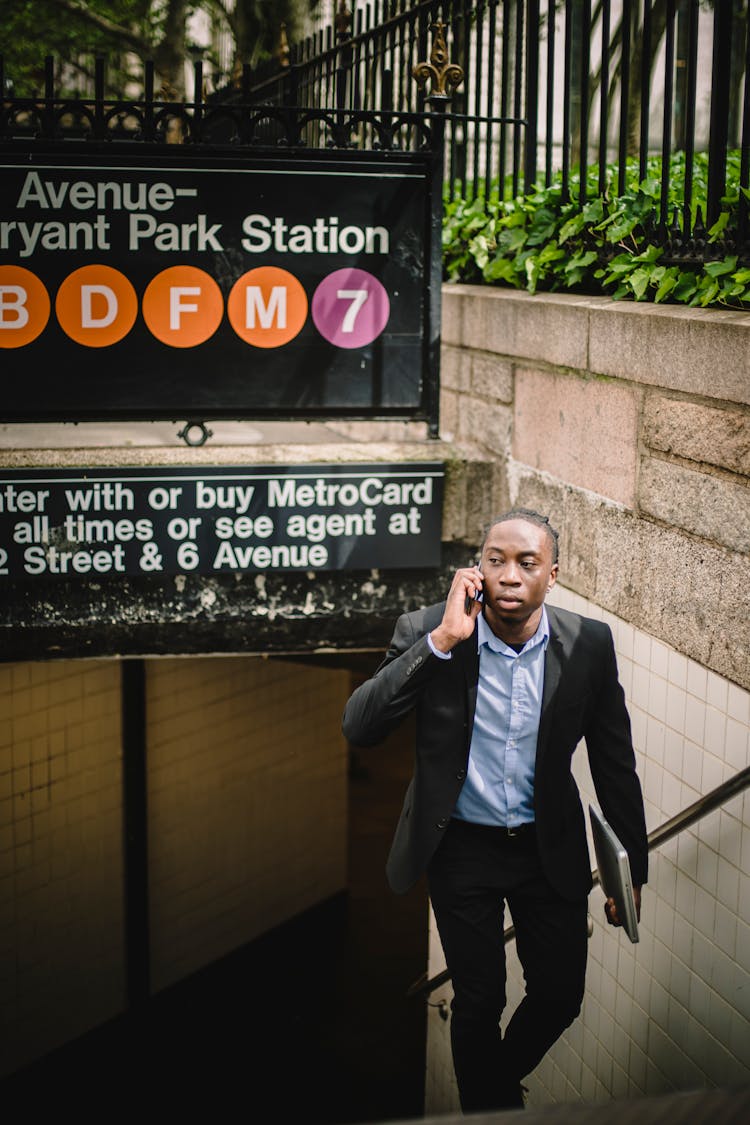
538,241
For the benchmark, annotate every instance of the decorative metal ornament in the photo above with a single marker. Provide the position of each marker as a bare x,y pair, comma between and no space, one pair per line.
284,49
444,75
343,21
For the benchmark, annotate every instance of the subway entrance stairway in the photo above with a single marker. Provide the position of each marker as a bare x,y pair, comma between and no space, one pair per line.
308,1023
730,1106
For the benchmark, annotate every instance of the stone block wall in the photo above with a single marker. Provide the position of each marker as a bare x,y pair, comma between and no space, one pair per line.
630,426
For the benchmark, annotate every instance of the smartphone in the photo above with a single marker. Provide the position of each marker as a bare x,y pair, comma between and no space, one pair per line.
478,597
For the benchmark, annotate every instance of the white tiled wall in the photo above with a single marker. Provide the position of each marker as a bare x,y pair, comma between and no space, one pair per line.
672,1012
247,802
247,799
61,921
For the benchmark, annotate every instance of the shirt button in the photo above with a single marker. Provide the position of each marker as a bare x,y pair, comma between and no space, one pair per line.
442,823
461,775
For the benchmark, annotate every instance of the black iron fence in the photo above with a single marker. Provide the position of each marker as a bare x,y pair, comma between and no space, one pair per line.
586,90
590,91
237,117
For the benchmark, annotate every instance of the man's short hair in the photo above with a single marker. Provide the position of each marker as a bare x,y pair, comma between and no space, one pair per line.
530,516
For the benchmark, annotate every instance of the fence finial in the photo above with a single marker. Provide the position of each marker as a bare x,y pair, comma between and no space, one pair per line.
343,21
284,50
439,70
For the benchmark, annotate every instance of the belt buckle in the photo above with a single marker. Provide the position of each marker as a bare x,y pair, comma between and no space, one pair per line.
512,833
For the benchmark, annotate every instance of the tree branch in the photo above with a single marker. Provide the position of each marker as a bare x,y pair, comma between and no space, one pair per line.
125,35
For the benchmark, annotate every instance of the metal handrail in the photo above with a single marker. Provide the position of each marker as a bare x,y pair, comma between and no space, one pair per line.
676,824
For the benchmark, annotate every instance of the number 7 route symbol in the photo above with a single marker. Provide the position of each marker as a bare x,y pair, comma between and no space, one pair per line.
357,298
350,308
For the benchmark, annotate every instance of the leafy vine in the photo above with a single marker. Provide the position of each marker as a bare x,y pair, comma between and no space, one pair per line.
610,246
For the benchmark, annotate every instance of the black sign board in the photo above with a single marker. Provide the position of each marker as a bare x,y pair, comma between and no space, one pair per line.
197,287
91,522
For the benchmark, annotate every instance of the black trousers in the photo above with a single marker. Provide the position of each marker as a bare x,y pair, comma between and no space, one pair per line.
474,872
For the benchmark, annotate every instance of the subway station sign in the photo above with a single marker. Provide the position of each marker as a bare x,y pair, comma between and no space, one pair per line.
86,523
184,288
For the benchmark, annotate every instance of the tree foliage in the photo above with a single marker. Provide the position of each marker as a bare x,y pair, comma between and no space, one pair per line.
607,247
126,30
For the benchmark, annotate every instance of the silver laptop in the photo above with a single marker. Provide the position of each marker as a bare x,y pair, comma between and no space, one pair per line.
614,871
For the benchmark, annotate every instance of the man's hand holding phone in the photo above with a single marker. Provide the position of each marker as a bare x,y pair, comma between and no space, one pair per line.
462,608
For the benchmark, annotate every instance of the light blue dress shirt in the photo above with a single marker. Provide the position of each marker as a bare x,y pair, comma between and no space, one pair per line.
499,786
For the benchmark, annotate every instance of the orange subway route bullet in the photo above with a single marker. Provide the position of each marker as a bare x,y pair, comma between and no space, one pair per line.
182,306
96,306
24,307
267,307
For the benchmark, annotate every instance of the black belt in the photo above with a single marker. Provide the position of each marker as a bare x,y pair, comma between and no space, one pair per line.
520,831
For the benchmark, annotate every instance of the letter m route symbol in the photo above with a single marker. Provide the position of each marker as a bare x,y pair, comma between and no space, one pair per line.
260,313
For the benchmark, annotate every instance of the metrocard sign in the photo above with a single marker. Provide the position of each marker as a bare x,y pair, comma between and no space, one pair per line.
136,289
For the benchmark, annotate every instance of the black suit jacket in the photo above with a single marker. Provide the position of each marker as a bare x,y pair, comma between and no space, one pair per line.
582,698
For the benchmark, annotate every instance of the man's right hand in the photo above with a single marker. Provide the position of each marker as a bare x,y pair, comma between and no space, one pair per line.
457,623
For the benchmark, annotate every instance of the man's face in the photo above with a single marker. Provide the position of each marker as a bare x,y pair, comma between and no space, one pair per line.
518,571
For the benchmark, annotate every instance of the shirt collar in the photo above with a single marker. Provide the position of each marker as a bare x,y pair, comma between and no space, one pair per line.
485,636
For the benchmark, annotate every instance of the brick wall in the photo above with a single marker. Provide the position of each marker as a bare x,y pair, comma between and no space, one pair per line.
630,425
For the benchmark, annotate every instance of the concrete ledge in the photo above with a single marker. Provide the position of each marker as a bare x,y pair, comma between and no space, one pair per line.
672,347
550,327
266,614
699,351
283,453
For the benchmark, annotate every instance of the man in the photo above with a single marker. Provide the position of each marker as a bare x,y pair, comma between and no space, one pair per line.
504,688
